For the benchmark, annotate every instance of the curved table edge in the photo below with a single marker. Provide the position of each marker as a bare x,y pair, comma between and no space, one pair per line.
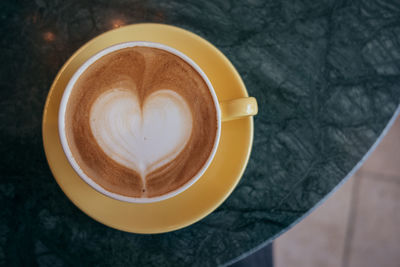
322,200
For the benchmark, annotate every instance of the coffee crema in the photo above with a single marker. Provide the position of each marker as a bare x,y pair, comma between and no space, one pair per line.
141,122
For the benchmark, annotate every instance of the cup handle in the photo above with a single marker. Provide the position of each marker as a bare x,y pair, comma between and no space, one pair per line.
238,108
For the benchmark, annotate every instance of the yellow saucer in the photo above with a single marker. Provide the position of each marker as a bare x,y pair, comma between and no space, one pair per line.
201,198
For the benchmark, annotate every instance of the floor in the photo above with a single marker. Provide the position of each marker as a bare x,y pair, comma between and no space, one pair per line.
260,258
359,225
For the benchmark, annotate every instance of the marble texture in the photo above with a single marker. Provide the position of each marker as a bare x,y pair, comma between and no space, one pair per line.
326,75
358,224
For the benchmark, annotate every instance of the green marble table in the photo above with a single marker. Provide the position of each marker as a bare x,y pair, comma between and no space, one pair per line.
326,75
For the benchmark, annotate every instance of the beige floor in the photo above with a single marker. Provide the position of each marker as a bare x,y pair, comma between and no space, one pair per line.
359,225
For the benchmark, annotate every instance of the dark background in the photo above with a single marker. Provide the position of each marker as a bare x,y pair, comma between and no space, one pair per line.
326,75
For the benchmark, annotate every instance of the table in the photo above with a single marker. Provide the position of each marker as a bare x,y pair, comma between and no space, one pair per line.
326,75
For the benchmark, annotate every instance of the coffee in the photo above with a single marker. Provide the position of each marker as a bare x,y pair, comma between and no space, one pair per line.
141,122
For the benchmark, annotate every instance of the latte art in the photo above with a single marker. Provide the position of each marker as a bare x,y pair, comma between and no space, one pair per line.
140,122
141,138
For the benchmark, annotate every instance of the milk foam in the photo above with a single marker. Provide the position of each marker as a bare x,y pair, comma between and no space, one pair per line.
141,139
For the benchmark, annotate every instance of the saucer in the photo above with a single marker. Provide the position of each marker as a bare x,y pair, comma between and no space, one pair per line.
201,198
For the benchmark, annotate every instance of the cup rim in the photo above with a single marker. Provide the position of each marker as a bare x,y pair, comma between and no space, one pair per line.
64,102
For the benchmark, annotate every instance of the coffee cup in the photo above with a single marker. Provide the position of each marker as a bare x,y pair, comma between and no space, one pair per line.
140,121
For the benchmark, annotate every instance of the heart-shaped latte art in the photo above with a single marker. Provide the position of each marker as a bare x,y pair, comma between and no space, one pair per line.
141,137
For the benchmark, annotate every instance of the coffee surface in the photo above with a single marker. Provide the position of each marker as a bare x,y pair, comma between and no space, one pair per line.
140,122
